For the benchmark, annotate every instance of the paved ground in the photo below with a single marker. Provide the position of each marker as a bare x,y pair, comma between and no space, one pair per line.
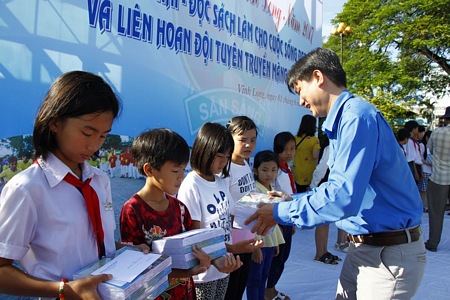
305,279
122,189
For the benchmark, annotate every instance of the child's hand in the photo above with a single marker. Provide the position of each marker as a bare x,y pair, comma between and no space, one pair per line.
85,288
205,260
248,246
294,230
227,263
143,247
286,197
277,251
257,256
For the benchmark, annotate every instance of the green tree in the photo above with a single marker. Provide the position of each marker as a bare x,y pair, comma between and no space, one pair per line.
21,144
112,141
397,52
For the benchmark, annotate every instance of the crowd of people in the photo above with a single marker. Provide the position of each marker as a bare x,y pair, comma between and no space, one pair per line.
431,174
11,166
358,178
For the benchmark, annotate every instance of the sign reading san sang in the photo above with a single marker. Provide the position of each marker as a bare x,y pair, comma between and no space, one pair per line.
220,105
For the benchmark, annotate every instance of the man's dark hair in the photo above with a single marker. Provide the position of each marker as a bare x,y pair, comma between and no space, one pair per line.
324,60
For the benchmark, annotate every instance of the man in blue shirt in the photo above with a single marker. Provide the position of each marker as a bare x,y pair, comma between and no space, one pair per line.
370,192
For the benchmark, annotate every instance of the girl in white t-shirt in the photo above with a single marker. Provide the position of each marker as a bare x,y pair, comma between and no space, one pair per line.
44,221
241,182
206,195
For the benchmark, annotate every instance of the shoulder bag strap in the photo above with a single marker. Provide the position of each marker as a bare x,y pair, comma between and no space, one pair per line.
298,144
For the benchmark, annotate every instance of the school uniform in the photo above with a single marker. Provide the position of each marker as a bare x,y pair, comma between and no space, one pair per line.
45,224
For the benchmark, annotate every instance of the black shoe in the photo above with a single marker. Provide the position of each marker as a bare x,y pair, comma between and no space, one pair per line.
430,248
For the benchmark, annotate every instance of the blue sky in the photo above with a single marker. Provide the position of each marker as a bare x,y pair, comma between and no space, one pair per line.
330,9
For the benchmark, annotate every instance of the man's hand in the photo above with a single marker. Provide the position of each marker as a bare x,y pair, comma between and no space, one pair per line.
264,219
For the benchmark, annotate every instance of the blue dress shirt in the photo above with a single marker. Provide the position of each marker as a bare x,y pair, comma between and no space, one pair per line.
370,187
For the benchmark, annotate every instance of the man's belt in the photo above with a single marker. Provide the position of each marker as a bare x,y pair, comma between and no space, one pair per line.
389,238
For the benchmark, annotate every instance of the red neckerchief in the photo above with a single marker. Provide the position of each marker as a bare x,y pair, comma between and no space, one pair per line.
285,167
416,144
93,208
91,199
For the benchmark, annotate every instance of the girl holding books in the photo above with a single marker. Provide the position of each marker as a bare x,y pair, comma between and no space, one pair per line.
241,182
265,169
57,215
206,195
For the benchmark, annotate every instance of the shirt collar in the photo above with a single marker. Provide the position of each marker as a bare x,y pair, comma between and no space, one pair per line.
333,114
55,170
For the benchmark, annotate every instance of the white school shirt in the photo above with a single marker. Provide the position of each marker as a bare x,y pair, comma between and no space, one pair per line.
410,150
241,181
283,183
207,202
45,224
321,168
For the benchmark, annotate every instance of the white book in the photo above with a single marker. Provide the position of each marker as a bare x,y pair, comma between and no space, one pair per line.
248,205
144,283
179,246
188,260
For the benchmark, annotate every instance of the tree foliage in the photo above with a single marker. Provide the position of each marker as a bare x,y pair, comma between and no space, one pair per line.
397,52
112,141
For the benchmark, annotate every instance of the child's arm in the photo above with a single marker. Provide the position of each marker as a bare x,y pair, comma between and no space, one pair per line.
277,251
245,246
257,256
15,282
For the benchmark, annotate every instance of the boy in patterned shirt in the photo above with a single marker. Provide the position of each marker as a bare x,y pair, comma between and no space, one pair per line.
152,213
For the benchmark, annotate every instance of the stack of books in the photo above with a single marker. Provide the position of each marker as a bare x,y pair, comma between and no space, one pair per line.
179,246
248,205
147,284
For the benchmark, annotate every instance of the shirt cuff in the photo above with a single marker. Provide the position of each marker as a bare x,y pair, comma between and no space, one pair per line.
281,213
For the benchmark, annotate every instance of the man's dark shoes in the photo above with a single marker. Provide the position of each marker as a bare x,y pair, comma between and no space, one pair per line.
432,249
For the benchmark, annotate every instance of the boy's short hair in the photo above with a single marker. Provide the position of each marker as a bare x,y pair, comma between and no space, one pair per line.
402,134
157,146
212,138
280,141
411,125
